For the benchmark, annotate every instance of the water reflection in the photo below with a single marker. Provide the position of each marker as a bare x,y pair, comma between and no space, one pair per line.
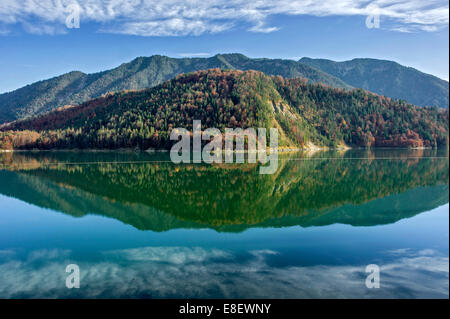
150,193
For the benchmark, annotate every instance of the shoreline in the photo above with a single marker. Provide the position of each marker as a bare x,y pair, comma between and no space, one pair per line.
279,150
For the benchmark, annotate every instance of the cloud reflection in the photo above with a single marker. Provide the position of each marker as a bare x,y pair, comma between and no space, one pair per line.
167,272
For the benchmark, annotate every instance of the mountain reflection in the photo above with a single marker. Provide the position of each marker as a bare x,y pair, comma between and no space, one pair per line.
149,192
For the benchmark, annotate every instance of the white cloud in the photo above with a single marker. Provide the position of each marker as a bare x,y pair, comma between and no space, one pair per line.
169,27
40,29
194,17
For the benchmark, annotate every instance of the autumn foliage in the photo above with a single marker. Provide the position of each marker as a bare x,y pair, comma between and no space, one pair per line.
225,98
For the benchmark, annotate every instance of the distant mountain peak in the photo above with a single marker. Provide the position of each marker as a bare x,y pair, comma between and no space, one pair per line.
388,78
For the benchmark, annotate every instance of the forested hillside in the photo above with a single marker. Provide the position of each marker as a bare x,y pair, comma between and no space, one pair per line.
143,72
302,111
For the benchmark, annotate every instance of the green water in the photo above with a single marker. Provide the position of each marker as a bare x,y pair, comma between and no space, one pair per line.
140,226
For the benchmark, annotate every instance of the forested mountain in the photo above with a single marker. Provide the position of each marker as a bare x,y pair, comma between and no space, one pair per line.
387,78
143,72
381,77
303,112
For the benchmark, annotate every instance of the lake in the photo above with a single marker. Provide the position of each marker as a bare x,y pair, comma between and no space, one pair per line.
139,226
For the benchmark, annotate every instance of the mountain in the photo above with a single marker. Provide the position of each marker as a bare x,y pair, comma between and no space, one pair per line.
304,113
387,78
143,72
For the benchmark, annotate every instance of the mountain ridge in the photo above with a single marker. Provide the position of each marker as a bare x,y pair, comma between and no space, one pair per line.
76,87
387,78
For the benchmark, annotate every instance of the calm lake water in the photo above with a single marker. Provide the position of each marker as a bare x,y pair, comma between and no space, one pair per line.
138,226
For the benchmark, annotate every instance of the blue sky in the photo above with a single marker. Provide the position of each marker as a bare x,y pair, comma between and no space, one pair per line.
35,42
